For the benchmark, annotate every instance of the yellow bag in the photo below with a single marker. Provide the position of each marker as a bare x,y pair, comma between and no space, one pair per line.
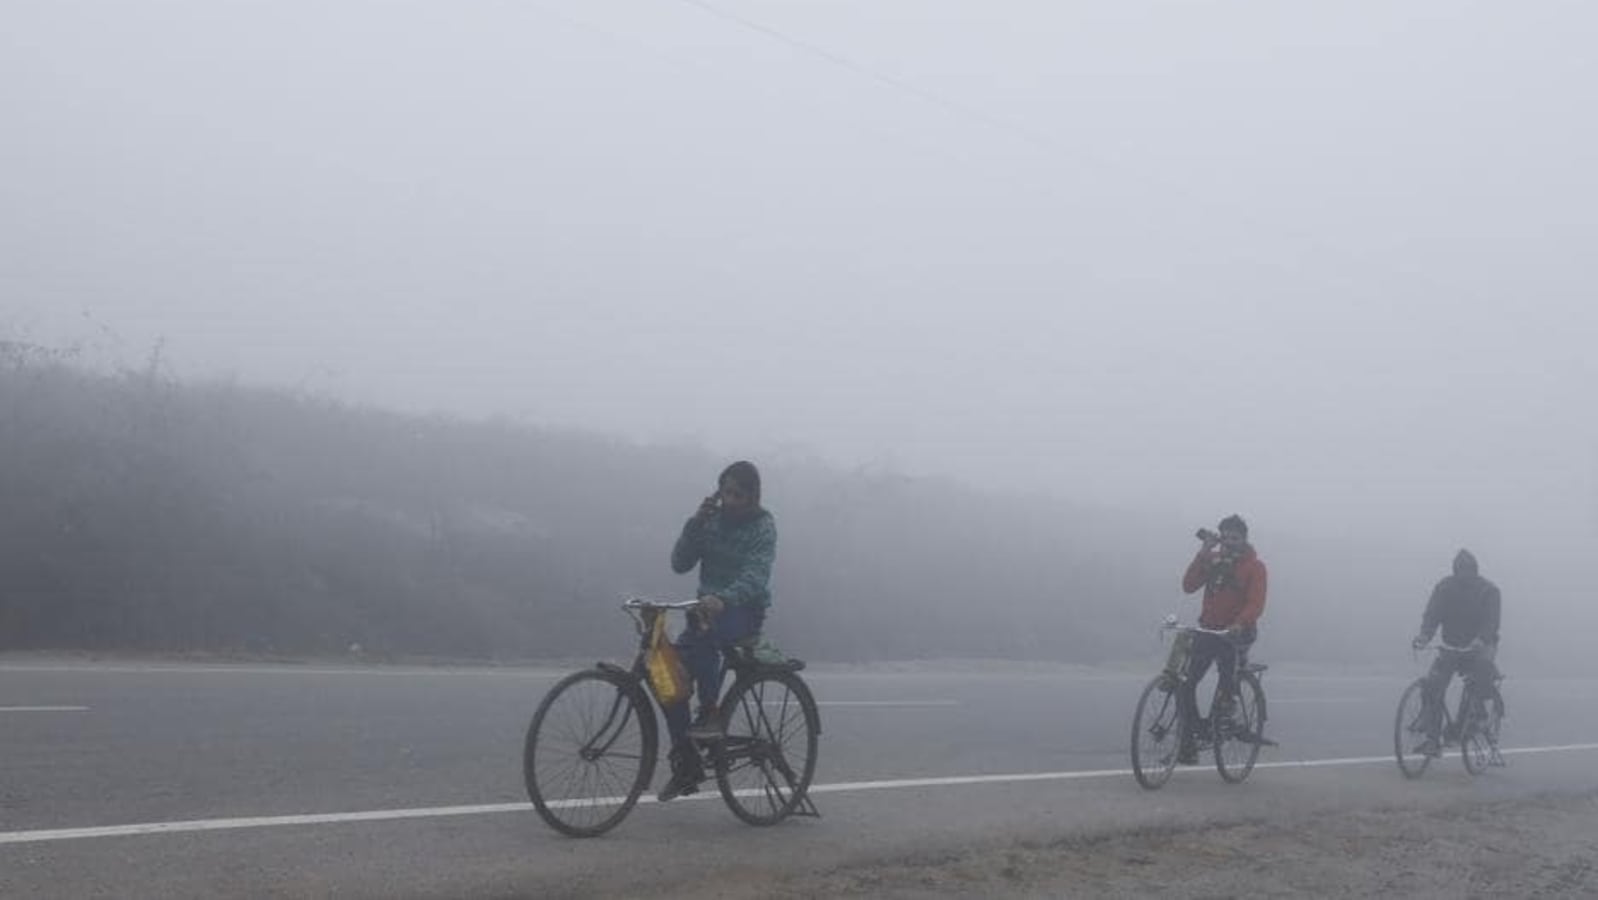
666,673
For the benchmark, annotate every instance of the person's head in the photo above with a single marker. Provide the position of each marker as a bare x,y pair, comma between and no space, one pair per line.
1233,531
739,488
1465,563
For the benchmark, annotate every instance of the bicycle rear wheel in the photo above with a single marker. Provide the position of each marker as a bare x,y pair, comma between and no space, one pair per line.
765,762
1409,730
590,752
1237,745
1155,734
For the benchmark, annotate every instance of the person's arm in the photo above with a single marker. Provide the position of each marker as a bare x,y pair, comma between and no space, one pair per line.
1253,596
754,571
1489,625
689,547
1432,616
1197,572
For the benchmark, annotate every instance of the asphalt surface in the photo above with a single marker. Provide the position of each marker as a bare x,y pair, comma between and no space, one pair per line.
243,754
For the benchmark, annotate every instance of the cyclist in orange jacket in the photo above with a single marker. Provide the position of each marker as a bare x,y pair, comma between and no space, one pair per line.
1233,579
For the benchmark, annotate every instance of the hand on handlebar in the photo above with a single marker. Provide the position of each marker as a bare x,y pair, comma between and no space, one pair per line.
710,606
1419,643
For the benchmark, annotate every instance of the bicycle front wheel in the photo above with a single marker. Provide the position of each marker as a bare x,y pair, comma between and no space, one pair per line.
590,752
1409,730
1237,744
765,762
1155,734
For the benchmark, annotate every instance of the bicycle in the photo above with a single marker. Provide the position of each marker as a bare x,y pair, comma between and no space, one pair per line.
592,745
1159,721
1476,730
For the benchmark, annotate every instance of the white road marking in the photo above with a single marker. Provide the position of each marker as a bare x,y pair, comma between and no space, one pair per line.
384,815
6,709
527,672
876,703
380,815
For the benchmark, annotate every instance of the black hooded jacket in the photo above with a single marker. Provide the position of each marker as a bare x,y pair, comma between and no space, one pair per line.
1464,604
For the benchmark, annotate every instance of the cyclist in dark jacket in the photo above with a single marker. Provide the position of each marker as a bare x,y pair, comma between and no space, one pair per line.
1466,606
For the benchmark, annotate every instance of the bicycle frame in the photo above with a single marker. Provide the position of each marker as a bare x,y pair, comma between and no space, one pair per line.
1176,663
1166,711
729,748
1178,669
602,756
1472,697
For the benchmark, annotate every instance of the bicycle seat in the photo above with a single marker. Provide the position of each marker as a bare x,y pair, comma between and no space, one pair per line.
745,661
760,654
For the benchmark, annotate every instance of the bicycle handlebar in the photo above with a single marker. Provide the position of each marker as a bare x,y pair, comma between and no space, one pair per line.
1171,624
1471,647
646,603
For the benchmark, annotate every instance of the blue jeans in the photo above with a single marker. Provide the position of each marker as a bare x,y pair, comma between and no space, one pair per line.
701,652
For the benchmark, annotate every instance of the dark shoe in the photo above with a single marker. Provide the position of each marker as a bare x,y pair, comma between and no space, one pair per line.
680,784
1429,747
1187,756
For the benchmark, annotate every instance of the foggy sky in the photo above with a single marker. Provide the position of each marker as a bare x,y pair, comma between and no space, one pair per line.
1329,265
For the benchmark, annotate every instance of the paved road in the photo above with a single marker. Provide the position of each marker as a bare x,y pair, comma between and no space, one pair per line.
267,762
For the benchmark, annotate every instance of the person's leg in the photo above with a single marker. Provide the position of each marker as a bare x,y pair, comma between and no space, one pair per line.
1198,664
1442,675
1225,673
1243,643
1435,694
705,666
1486,665
693,646
676,721
1463,667
735,624
1481,677
697,648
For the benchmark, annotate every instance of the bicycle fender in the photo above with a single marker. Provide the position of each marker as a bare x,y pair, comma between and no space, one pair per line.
614,669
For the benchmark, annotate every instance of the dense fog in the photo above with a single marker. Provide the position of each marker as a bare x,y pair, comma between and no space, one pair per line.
423,326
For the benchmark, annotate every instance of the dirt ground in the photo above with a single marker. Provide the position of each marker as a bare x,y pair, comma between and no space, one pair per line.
1538,847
